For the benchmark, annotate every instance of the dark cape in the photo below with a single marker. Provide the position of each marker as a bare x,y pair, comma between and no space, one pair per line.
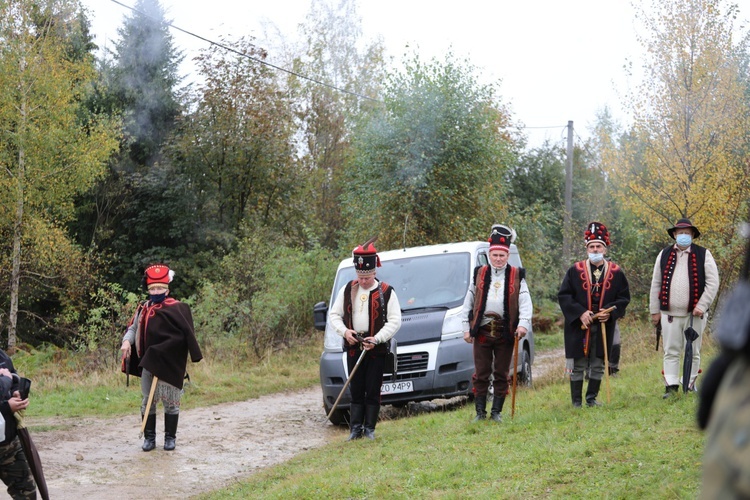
575,299
166,337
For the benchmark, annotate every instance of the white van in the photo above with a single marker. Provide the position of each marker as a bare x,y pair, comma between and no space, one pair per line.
434,361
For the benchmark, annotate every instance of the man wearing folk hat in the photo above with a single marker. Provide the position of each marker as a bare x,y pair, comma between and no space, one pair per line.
162,332
496,310
683,286
590,286
366,313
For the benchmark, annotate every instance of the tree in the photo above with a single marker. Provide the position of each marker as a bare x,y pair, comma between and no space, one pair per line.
429,163
49,149
685,155
236,146
145,81
352,71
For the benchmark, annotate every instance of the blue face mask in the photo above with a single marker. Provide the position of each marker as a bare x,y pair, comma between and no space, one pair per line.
684,240
596,258
156,299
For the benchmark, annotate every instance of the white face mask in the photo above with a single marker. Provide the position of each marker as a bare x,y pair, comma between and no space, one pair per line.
596,258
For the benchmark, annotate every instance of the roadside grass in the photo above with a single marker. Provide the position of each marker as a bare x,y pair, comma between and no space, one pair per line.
637,446
66,384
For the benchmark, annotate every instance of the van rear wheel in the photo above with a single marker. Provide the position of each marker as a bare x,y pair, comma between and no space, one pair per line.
526,377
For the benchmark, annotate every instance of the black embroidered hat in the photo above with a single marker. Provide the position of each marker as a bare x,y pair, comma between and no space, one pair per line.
501,237
366,257
596,231
683,224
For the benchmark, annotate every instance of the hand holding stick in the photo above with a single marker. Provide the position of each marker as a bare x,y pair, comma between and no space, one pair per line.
599,315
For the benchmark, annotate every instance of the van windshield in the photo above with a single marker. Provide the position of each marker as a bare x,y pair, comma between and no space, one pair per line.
422,282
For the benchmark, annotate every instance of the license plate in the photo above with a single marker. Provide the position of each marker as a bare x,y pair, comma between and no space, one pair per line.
396,387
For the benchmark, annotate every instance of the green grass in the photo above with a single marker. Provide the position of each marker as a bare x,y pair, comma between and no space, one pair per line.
638,446
66,385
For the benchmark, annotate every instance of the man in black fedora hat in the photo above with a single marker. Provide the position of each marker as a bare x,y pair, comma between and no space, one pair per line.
683,286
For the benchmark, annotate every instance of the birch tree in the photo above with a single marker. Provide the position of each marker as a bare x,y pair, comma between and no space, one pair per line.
49,150
685,155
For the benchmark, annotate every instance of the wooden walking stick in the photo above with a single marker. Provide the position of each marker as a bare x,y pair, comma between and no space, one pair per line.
515,378
148,404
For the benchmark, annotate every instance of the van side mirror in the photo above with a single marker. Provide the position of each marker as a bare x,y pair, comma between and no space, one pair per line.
320,312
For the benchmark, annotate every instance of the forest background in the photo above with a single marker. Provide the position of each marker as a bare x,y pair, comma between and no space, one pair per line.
256,182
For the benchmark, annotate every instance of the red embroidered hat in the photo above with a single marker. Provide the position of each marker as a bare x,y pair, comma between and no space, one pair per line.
683,224
158,275
366,257
501,237
596,231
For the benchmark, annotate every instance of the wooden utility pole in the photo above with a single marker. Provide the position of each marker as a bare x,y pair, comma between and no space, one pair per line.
567,247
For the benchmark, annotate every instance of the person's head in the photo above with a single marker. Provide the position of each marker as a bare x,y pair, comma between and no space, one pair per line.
501,237
683,232
157,278
366,261
597,241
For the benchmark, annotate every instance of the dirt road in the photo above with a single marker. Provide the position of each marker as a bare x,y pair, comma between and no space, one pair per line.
102,458
94,458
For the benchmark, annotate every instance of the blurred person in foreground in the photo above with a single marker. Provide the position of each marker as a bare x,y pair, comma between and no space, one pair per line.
366,313
588,287
14,466
162,333
683,286
724,398
496,310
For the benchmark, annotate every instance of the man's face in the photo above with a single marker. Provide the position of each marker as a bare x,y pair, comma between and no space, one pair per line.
596,247
498,258
157,290
366,280
683,230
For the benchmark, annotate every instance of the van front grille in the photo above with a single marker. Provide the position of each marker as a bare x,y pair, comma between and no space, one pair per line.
413,362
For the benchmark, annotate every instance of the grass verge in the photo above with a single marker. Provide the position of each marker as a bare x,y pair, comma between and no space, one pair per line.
637,446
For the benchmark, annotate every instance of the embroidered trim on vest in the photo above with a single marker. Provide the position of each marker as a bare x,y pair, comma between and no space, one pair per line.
377,311
696,275
483,278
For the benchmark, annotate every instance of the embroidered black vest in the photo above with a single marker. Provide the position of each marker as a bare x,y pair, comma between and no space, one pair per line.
696,270
377,309
482,280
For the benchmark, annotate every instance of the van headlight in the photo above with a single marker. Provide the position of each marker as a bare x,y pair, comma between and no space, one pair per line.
453,324
332,341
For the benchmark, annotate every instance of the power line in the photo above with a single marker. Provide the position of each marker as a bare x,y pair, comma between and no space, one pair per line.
230,49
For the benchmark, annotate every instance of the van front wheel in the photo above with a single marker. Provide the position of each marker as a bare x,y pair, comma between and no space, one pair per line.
338,417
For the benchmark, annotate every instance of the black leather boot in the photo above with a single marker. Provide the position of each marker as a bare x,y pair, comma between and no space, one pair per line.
576,392
371,418
356,417
149,433
497,408
170,430
592,390
670,390
480,404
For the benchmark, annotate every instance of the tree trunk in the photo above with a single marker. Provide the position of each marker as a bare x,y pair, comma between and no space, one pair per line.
15,277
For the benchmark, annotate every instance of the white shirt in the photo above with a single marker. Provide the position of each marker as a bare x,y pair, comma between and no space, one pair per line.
361,314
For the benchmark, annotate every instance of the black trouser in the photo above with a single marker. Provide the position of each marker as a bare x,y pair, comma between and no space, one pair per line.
365,384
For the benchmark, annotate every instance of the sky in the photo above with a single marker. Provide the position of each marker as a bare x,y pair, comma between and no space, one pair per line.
556,61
